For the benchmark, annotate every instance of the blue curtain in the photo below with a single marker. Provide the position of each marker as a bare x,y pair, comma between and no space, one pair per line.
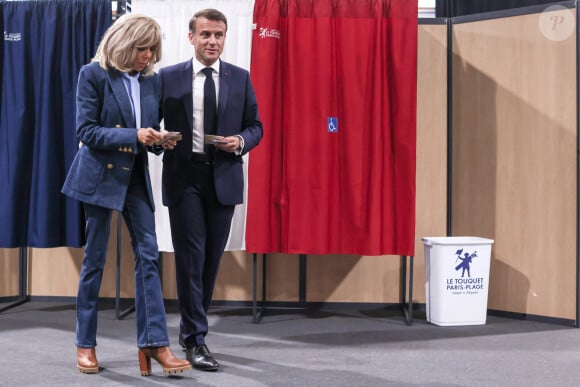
45,44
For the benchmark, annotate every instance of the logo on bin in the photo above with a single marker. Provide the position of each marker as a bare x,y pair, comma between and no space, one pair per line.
465,261
464,284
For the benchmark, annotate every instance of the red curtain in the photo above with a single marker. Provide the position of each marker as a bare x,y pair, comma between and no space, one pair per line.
336,87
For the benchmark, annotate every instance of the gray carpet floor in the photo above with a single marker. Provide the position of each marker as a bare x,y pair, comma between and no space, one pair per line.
296,347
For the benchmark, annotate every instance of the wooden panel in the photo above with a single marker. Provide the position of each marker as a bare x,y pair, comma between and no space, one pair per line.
514,159
168,276
55,272
235,277
283,277
431,194
9,281
348,278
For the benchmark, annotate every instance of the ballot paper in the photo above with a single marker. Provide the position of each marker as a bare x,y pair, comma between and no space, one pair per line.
212,139
173,136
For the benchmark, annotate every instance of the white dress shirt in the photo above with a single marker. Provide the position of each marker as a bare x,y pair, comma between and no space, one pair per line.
197,88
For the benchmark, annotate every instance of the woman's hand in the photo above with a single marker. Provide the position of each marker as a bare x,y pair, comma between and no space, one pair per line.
148,136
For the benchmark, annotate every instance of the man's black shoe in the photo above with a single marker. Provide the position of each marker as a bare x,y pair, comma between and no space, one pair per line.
201,359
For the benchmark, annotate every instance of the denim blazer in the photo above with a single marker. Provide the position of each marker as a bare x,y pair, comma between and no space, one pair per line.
101,170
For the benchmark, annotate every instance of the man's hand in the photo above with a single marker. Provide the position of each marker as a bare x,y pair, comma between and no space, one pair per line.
228,144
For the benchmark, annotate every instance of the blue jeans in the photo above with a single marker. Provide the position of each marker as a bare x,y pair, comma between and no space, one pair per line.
149,308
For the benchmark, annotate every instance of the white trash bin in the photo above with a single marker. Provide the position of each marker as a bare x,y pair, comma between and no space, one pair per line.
457,279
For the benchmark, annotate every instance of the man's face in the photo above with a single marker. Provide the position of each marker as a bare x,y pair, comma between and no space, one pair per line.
208,40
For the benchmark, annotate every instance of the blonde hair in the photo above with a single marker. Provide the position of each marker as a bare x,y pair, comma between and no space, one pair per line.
118,48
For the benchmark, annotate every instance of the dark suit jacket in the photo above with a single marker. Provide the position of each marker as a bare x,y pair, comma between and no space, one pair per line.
101,170
237,115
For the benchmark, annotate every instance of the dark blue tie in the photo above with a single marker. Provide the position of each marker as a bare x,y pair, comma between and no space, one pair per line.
209,108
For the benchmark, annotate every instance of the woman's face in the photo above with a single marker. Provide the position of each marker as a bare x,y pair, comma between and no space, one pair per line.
142,59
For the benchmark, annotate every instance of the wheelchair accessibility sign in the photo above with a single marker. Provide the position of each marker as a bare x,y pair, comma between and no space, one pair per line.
332,124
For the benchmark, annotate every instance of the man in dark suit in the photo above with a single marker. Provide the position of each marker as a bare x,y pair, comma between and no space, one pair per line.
213,104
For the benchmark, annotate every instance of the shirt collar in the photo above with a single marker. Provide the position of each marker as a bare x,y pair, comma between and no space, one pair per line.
198,66
128,76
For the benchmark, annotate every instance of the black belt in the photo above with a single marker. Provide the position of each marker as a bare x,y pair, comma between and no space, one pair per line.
201,158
